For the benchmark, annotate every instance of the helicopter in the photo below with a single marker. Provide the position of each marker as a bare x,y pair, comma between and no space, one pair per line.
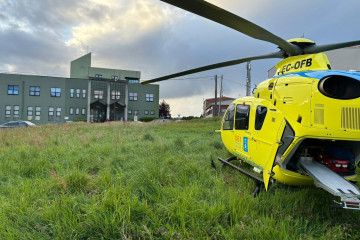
300,127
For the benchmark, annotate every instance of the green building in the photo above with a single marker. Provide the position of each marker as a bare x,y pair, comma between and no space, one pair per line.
91,94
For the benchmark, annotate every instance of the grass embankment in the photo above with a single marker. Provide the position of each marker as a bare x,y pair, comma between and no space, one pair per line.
147,181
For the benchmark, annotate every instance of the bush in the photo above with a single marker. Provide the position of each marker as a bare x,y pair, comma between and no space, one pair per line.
147,119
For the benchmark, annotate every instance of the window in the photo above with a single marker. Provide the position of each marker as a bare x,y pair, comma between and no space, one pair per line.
146,112
77,93
115,95
77,111
132,80
133,96
152,112
71,111
34,91
84,93
115,78
72,92
242,117
16,112
129,112
83,111
37,111
51,114
260,117
136,112
7,112
149,97
13,89
98,75
228,123
30,111
58,114
98,94
55,92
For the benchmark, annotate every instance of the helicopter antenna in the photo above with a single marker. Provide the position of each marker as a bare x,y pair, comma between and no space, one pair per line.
248,79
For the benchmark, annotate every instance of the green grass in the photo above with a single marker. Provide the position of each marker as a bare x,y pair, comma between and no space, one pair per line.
147,181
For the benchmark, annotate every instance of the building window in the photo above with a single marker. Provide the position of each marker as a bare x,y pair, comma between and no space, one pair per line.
136,112
146,112
98,75
98,94
7,112
16,112
77,93
83,111
71,111
115,95
58,114
115,78
132,80
51,114
129,112
37,111
34,91
133,96
149,97
72,92
152,112
77,111
84,93
55,92
13,89
30,111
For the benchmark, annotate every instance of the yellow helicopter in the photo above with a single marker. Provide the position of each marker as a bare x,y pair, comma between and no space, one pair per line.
302,126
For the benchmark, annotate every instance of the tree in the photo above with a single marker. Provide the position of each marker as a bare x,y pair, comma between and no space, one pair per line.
164,110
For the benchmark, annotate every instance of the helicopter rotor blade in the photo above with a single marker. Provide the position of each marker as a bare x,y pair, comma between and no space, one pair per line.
219,15
279,54
327,47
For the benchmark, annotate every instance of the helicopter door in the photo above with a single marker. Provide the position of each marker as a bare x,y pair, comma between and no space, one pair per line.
227,133
243,144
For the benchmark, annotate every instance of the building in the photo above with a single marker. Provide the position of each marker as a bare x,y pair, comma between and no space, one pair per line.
346,59
90,94
209,106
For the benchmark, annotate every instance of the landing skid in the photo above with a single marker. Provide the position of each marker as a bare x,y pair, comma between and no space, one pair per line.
259,181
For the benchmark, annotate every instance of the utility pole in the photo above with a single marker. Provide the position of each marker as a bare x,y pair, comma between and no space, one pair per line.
214,109
248,79
221,90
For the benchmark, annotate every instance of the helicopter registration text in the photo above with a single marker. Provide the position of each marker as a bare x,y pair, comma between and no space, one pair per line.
308,62
297,65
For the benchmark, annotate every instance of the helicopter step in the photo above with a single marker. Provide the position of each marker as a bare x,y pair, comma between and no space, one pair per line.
333,183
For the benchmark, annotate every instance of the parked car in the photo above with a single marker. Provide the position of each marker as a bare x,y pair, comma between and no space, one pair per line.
13,124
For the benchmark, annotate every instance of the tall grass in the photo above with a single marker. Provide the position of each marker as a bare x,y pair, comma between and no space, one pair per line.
147,181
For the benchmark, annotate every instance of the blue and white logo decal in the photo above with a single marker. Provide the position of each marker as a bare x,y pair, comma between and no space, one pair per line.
245,141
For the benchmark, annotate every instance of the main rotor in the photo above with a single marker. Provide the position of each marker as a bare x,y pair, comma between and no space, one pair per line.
292,47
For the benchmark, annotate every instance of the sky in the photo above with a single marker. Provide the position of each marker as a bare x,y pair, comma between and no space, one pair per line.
42,37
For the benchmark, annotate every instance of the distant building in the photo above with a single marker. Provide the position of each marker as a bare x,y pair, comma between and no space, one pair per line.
345,59
209,106
91,94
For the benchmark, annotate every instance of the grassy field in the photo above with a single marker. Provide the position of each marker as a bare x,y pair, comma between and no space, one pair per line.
147,181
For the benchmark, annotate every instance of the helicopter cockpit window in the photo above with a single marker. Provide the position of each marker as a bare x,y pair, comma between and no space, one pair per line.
229,118
242,117
260,117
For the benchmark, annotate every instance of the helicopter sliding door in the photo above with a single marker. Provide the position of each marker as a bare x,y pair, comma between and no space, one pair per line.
242,132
